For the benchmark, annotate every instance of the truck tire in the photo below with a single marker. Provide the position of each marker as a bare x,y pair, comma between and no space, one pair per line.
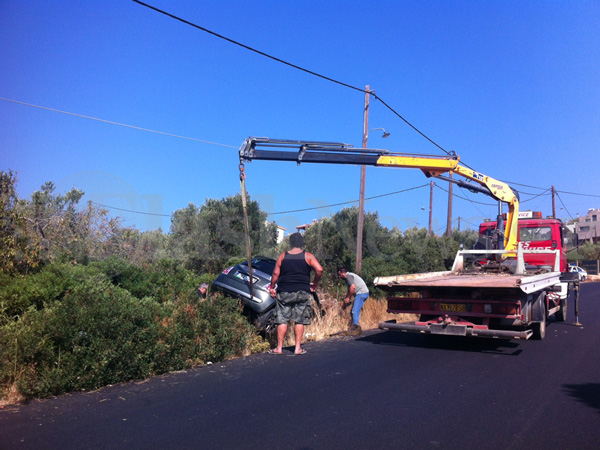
540,315
561,314
539,330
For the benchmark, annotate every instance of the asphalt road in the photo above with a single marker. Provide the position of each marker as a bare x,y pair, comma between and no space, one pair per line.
380,390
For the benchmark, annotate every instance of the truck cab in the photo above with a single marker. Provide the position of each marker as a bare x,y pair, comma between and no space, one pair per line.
534,233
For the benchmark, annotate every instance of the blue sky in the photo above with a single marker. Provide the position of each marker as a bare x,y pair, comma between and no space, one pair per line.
511,87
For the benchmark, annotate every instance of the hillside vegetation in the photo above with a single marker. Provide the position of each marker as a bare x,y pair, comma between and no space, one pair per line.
86,302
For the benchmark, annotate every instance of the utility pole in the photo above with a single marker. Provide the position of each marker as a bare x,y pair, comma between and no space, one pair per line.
553,203
449,218
430,208
361,197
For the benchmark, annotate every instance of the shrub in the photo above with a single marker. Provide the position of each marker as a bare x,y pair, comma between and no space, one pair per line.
20,293
164,280
95,333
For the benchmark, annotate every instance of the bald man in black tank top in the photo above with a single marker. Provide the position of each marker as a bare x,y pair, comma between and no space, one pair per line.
292,277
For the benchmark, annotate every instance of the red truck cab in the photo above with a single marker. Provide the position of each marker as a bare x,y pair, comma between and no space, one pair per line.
535,232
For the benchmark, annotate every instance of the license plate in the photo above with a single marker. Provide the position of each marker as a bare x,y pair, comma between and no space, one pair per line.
453,307
245,277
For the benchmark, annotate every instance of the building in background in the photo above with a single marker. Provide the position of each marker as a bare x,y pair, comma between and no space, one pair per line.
586,227
302,228
280,233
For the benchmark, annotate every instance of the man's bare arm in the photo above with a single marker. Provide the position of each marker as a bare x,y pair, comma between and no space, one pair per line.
275,275
312,262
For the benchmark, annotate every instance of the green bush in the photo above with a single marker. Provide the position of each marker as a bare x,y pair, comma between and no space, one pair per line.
94,333
20,293
164,280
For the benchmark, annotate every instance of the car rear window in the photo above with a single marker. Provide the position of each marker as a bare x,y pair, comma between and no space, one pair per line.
264,265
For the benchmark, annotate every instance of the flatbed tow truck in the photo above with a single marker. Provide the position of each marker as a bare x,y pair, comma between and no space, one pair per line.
488,293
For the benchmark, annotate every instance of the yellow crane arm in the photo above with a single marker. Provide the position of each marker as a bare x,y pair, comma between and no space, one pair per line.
432,166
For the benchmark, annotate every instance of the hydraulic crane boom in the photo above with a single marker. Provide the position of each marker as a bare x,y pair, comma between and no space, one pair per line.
258,148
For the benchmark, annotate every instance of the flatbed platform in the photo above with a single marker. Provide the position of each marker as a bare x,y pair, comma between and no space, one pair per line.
449,279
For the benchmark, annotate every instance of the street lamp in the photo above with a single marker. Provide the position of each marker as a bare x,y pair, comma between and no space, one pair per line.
385,134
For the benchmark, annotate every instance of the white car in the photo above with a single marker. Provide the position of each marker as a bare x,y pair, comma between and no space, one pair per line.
582,273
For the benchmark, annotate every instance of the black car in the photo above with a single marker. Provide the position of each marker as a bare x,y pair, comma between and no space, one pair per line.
235,282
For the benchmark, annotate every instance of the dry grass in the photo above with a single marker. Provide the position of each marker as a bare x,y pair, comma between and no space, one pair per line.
337,318
13,396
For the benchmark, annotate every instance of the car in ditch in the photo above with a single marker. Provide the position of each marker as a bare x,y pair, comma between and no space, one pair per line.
234,281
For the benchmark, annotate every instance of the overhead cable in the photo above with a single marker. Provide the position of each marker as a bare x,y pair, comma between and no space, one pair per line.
536,196
463,198
275,213
115,123
348,202
310,72
561,202
129,210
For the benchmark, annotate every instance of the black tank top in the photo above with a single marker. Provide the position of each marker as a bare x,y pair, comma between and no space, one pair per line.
294,274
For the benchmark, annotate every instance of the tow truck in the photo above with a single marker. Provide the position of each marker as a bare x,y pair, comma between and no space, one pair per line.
494,293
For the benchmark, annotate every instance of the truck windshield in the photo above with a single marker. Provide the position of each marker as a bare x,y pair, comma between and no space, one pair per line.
535,234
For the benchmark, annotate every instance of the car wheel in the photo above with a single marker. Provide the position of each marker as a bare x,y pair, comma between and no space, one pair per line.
265,323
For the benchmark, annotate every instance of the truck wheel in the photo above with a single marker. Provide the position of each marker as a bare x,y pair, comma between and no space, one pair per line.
539,330
561,314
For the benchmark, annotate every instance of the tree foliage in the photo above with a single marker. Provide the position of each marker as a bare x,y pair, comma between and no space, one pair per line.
585,251
50,227
207,237
385,251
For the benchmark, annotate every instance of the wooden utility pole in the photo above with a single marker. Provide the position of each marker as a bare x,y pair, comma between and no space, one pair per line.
430,208
553,203
361,197
449,218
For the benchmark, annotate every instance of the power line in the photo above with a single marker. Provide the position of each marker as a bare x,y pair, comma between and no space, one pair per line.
519,184
463,198
115,123
575,193
294,66
348,202
464,220
232,146
441,228
129,210
275,213
561,202
536,196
